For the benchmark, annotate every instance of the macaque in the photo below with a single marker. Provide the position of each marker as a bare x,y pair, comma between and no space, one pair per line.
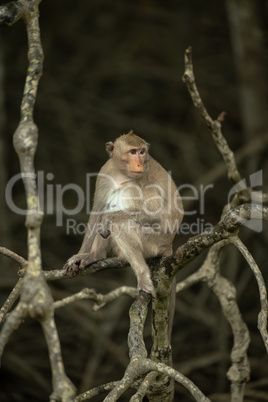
136,213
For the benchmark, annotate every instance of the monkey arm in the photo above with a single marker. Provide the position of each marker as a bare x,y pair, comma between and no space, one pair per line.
92,229
94,226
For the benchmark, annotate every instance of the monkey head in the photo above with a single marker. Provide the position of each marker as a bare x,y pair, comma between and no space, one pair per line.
130,154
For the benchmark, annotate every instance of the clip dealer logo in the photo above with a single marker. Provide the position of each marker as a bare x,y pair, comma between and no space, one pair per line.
54,199
255,183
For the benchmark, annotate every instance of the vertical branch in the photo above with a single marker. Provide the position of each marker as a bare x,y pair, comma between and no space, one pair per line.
63,389
239,372
26,136
36,300
137,350
5,231
137,314
162,320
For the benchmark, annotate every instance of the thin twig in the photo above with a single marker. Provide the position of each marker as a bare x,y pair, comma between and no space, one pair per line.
99,299
8,253
213,125
10,300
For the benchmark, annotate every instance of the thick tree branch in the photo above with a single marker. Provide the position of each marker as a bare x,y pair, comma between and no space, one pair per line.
36,300
226,228
139,364
11,12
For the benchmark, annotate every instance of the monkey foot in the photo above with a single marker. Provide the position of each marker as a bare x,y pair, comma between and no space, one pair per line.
148,288
77,263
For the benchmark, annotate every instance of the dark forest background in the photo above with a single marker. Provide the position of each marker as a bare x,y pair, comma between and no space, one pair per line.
111,67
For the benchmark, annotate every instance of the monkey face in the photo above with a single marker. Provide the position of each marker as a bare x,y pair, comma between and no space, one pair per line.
130,154
135,160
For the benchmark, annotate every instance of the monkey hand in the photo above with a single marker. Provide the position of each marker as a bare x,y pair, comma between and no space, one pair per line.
76,263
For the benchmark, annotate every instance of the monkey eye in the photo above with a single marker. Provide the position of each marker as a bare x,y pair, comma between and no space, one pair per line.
133,151
142,151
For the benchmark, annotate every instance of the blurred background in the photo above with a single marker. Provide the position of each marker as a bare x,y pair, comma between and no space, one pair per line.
111,67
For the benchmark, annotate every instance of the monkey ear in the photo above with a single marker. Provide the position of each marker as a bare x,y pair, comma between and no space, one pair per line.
109,148
148,145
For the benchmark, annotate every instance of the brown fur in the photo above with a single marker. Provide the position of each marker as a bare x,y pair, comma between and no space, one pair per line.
136,212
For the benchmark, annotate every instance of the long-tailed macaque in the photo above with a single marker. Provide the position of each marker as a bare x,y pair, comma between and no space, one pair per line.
136,212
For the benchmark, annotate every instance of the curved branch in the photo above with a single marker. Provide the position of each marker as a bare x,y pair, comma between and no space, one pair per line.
96,391
8,253
148,364
263,315
226,228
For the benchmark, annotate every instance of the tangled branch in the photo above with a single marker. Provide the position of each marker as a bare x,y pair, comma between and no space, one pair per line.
36,300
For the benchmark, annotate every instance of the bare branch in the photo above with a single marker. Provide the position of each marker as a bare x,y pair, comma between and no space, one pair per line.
103,265
8,253
148,381
36,300
12,323
99,299
63,388
148,364
10,300
263,315
226,228
239,372
225,291
138,313
11,12
96,391
213,125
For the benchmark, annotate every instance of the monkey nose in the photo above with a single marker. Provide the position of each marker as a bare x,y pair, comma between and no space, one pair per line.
139,168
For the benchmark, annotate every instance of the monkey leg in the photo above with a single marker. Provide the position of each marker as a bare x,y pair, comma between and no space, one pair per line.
129,243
